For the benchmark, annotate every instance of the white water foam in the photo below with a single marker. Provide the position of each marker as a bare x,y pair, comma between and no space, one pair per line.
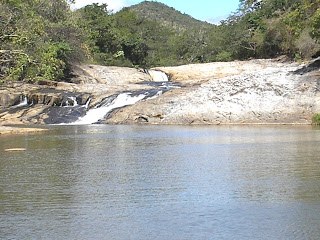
23,102
73,100
96,114
87,103
158,76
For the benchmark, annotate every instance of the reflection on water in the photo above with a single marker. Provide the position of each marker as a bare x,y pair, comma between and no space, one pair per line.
160,182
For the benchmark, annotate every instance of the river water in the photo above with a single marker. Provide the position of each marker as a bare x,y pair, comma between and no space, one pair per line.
161,182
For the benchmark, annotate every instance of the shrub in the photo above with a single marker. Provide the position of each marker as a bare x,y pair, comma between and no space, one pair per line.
306,45
223,56
316,119
53,62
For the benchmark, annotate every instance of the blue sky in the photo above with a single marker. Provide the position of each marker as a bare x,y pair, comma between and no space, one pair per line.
206,10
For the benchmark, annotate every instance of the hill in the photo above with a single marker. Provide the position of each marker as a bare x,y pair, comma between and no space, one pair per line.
167,16
165,35
41,40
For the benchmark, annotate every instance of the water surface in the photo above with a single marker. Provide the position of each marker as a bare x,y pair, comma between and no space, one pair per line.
161,182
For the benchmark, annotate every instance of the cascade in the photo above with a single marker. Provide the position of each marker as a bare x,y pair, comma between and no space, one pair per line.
96,114
87,103
71,102
23,102
158,76
72,109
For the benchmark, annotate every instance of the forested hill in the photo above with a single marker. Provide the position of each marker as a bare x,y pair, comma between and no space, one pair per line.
42,39
167,16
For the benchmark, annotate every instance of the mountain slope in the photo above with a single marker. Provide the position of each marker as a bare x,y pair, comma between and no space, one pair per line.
167,16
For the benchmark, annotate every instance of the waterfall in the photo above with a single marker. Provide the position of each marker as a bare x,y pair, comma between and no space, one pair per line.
87,103
72,102
23,102
96,114
74,114
158,76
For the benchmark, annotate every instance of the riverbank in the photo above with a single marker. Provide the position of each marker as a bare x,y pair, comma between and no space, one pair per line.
268,91
4,130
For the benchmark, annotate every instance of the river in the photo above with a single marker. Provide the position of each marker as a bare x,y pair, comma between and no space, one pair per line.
161,182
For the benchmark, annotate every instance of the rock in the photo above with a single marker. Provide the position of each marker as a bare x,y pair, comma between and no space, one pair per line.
83,98
312,66
109,75
241,92
259,91
54,102
15,149
48,83
8,99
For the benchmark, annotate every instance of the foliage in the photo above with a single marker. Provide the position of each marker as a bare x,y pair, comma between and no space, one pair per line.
36,40
315,25
167,16
41,39
316,119
278,27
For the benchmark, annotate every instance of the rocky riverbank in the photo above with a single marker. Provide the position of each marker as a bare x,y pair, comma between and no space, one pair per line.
240,92
250,92
57,102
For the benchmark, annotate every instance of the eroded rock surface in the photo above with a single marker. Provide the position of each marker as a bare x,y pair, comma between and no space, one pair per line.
257,91
61,102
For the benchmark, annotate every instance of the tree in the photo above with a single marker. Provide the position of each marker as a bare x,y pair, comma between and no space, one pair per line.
315,25
111,38
275,27
35,41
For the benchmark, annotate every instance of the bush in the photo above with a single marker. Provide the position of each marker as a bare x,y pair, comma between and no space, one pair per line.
315,24
306,45
223,56
53,62
316,119
49,62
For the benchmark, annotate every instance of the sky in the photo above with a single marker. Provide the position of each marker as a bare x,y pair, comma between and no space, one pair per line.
206,10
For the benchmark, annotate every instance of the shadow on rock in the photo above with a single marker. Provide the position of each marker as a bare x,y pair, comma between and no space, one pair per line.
312,66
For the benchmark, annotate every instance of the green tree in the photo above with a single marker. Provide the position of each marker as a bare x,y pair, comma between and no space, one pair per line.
30,31
275,27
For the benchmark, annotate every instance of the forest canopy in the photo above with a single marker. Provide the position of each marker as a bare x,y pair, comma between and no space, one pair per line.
42,39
